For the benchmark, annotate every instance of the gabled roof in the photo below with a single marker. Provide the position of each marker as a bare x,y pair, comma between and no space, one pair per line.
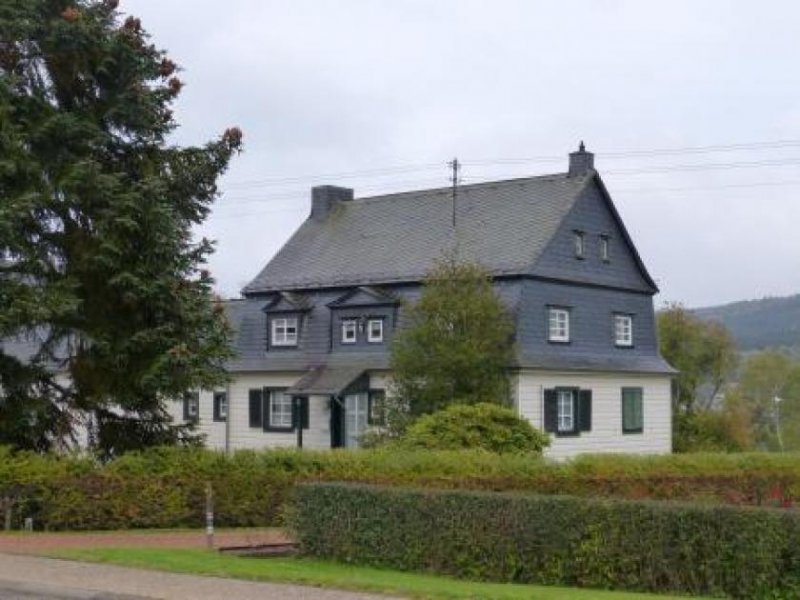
503,225
287,302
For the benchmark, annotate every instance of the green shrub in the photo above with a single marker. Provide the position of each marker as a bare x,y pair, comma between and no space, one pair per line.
479,426
166,487
647,546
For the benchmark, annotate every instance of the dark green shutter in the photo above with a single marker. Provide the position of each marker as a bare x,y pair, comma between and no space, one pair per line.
550,410
304,412
632,410
256,413
584,410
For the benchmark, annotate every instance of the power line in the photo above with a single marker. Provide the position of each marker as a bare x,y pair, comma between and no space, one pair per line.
612,155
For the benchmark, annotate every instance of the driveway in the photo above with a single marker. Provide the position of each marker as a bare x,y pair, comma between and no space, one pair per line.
29,577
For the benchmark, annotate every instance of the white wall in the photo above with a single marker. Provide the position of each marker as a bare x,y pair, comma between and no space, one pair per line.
606,434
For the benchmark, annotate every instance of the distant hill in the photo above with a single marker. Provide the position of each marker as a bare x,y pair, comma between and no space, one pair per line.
759,324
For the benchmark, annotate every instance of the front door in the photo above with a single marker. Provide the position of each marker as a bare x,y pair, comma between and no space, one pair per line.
355,418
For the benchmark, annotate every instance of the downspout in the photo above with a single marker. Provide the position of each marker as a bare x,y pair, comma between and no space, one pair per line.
228,401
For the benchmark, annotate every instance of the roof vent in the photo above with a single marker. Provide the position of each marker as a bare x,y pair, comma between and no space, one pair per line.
324,197
580,162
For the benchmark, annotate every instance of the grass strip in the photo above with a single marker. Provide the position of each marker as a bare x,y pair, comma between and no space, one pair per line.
335,575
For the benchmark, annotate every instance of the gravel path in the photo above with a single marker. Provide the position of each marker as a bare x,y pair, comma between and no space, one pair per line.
42,543
24,577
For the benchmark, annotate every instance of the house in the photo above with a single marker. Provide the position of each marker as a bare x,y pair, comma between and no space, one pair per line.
314,327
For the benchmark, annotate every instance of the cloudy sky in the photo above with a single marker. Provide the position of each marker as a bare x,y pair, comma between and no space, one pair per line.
692,108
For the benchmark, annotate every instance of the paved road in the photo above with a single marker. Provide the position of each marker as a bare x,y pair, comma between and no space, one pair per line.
29,577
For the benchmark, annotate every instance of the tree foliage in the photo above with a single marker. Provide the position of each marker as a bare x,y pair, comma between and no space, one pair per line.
480,426
704,352
456,345
100,267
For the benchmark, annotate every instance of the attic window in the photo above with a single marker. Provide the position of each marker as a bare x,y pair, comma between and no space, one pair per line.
284,331
580,244
349,329
605,254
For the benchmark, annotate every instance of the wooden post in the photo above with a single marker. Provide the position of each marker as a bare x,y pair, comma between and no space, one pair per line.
209,516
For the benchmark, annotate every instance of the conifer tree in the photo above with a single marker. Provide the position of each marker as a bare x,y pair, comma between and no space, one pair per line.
99,271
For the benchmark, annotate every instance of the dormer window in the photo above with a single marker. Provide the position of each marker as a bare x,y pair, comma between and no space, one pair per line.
284,331
349,331
580,244
375,331
605,253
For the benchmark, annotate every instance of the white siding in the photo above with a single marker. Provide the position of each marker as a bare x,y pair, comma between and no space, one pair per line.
606,434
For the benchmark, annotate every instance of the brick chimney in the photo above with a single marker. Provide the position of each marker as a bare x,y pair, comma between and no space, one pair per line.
580,162
324,197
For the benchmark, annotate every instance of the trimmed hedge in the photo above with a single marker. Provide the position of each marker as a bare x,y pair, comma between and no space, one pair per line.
164,487
741,552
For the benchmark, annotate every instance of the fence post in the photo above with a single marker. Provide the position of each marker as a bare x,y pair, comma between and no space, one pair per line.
209,516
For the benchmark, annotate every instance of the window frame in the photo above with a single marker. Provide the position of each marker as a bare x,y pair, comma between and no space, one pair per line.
640,391
619,342
370,338
605,248
345,327
571,401
284,323
579,242
376,408
220,400
267,416
559,339
191,400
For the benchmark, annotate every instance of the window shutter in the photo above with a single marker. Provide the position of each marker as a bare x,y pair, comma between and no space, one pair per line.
550,411
186,406
304,412
256,401
585,410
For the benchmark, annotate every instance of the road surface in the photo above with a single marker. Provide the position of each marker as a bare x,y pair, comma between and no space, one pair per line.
30,577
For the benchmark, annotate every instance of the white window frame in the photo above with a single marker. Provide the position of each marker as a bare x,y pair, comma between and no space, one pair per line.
623,330
580,244
375,339
280,331
282,418
349,326
558,324
565,411
605,248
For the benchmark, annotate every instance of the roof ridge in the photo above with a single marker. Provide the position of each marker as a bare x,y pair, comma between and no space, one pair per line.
467,187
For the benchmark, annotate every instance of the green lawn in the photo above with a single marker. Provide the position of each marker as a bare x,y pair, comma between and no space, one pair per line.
335,575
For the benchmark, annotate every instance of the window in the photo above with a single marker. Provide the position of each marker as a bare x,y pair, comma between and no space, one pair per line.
566,411
220,406
605,254
349,331
558,325
377,407
580,244
284,331
375,330
623,330
280,413
191,406
632,410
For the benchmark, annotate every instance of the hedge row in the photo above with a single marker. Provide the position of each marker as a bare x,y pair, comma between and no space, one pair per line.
740,552
165,487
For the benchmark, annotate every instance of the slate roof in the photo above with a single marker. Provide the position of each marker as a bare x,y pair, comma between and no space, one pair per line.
504,225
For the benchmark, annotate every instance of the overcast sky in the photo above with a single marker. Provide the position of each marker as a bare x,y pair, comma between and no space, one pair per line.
379,95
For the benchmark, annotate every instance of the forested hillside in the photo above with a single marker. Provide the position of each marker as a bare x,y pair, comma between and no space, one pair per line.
758,324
